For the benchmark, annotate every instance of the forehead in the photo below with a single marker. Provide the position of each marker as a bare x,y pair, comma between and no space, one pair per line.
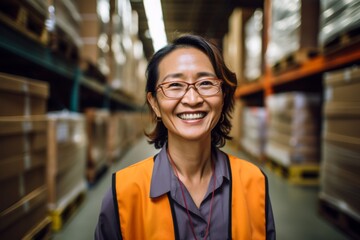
185,60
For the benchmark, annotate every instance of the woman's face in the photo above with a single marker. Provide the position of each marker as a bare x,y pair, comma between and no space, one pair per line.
193,116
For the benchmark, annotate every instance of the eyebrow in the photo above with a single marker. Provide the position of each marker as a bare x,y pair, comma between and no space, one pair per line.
181,75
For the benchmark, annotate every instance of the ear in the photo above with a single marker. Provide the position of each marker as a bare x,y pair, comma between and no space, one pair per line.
154,104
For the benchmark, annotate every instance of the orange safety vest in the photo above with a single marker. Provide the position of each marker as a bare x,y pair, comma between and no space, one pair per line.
142,217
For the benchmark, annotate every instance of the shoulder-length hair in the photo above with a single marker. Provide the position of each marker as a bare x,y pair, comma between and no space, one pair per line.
220,133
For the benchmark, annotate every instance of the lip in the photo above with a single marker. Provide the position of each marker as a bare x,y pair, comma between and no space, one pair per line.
192,116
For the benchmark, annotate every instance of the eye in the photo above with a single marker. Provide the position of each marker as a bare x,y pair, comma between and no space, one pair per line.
175,85
206,83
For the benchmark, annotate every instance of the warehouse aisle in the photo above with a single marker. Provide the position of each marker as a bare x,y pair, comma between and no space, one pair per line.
295,208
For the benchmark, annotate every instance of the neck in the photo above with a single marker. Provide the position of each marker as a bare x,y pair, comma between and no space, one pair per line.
192,159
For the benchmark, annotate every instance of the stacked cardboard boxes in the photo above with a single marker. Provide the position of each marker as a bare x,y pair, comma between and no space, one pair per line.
64,27
66,158
97,124
124,129
254,131
341,141
293,132
22,155
233,46
117,135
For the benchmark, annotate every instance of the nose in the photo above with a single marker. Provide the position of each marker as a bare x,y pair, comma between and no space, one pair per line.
192,97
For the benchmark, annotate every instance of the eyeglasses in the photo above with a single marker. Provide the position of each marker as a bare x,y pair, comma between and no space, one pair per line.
177,89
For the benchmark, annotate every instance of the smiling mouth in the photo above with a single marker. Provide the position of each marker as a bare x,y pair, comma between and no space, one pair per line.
192,116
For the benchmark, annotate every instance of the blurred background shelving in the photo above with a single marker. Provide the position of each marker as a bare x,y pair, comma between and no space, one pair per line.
72,105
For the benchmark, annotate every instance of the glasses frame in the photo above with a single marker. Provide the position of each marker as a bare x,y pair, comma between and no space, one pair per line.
219,83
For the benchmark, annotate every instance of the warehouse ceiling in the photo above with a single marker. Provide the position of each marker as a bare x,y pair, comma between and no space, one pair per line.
208,18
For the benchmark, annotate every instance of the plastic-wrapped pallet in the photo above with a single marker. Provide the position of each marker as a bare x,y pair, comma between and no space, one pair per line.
293,27
293,131
338,17
253,46
67,149
254,131
340,182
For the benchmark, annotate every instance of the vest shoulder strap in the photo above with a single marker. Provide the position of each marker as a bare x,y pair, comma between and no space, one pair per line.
248,193
140,215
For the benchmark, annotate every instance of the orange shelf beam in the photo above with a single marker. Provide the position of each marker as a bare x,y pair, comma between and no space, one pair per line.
249,89
314,66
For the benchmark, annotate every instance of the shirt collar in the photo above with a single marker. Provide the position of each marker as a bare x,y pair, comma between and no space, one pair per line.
162,171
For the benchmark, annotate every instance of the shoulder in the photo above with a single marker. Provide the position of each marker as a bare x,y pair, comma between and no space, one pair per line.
138,174
137,168
245,169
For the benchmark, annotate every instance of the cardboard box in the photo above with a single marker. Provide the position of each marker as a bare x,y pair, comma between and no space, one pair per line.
97,122
66,156
293,128
342,119
22,96
343,85
89,30
287,156
66,182
23,146
17,220
16,187
294,141
340,176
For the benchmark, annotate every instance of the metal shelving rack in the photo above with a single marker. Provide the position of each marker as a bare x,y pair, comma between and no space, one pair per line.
20,49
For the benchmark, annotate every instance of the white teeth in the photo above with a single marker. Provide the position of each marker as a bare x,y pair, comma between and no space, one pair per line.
191,116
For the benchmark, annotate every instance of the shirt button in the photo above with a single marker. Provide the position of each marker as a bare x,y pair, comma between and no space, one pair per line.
202,234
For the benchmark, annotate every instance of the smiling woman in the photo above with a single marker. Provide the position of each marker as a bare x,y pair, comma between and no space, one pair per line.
191,189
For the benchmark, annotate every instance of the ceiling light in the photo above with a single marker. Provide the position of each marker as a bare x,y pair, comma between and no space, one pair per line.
155,21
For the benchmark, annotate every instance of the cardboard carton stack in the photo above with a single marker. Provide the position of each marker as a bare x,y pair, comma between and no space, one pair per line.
66,158
254,131
64,25
293,132
97,124
23,132
341,141
117,135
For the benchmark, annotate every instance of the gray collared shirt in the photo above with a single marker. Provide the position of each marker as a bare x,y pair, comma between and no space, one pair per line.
164,181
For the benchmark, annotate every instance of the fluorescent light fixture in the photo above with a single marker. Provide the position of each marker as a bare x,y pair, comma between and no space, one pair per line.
155,21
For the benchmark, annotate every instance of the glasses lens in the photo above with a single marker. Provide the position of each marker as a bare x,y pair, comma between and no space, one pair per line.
208,87
174,89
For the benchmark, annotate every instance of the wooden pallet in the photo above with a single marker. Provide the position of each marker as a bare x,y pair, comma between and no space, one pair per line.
62,214
341,219
342,41
25,19
300,174
42,231
294,60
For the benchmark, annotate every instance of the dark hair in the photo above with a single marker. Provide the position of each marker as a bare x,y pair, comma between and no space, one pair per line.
221,131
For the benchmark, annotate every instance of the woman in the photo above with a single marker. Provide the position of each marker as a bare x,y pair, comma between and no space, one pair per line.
190,189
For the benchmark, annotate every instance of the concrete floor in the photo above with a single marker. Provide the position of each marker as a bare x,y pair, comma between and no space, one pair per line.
294,207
